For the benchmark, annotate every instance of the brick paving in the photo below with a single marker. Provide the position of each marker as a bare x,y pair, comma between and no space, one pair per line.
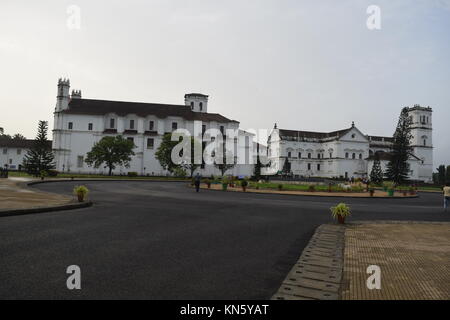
414,259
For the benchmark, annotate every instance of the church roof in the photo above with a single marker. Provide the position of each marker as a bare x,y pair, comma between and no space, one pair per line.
16,143
309,135
123,108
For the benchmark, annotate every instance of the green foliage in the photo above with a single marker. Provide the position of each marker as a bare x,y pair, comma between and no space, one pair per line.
376,175
80,190
244,183
389,185
179,172
312,188
447,176
112,152
398,166
132,174
340,210
164,153
40,157
224,166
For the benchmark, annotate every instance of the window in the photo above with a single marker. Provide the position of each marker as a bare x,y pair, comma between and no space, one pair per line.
131,124
354,156
10,161
299,155
201,106
203,128
70,126
318,167
425,142
318,156
360,156
289,154
222,129
192,105
346,155
150,143
353,136
151,125
331,155
174,126
309,166
19,151
90,126
247,141
5,151
80,161
130,139
309,155
112,123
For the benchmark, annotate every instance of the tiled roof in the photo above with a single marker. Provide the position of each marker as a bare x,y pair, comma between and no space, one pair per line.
309,135
20,144
122,108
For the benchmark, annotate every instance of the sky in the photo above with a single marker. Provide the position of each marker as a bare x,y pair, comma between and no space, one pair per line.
306,65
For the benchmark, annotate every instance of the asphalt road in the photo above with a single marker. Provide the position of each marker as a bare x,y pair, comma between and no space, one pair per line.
149,240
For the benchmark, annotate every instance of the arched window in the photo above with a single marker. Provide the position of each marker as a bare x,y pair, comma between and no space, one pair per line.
299,155
346,155
425,142
309,155
360,156
201,106
289,154
318,167
309,166
354,156
192,105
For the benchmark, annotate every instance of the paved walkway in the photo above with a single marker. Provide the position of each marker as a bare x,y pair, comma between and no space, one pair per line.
15,196
414,259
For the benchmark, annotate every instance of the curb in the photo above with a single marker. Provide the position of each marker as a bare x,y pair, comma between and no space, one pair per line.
101,180
19,212
318,273
312,195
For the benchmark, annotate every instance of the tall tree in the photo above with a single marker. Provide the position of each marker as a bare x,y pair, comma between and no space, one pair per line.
112,152
18,136
447,176
286,167
164,153
376,175
441,174
40,157
398,166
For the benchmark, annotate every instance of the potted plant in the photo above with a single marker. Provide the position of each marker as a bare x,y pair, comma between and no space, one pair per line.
81,192
312,188
412,191
244,185
330,187
340,212
280,187
372,191
43,174
208,183
224,184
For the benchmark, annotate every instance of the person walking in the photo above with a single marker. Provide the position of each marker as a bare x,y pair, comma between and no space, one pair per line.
446,197
197,181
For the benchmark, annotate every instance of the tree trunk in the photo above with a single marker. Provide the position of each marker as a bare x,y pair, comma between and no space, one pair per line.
110,171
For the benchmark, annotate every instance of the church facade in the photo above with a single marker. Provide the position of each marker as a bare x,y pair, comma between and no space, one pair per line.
348,153
79,123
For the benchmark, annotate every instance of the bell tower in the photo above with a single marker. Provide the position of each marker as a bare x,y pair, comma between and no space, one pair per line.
63,96
197,102
422,141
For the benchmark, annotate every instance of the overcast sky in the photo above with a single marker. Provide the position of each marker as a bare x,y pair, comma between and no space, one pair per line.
307,65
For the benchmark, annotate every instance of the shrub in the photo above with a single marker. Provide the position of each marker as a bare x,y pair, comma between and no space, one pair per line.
340,210
312,188
244,183
80,192
280,187
52,173
132,174
388,185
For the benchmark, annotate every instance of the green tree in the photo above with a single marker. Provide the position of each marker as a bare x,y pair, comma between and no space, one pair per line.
112,152
376,175
286,167
164,153
191,164
441,174
18,136
39,158
398,166
447,176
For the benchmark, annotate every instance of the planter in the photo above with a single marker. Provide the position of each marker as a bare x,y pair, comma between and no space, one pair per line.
391,193
405,193
224,186
80,197
244,188
372,192
341,219
208,185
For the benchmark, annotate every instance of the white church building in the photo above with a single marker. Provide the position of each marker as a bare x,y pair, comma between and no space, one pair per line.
348,153
79,123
